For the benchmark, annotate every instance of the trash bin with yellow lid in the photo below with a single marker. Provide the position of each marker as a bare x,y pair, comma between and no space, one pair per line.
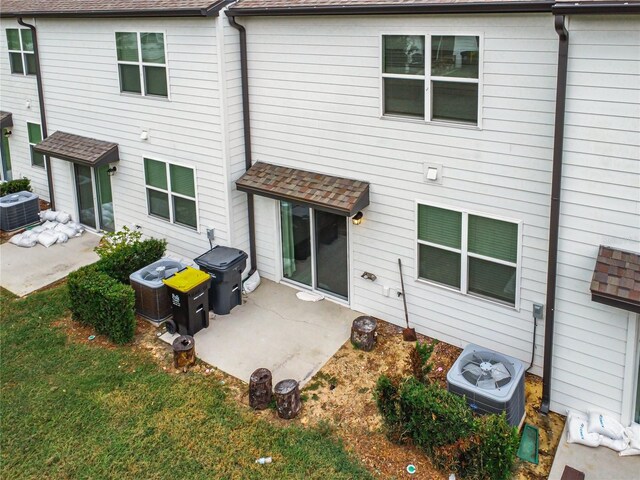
188,290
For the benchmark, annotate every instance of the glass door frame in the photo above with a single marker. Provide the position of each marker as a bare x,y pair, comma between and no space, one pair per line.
313,287
94,195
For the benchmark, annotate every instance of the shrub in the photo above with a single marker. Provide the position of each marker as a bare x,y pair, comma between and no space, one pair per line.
386,396
103,303
432,416
493,449
15,186
419,364
122,253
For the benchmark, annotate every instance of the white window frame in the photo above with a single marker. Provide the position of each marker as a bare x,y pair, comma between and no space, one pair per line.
140,64
170,193
465,254
22,52
428,78
31,145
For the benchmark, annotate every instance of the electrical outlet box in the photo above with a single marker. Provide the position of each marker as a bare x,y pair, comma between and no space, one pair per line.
538,311
211,233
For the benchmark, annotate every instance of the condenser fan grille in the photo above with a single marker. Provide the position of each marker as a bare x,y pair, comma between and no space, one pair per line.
487,371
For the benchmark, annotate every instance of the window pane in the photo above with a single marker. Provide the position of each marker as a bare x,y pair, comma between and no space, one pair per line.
130,78
27,40
155,81
152,45
403,54
454,56
31,63
437,225
455,101
127,46
158,203
16,62
13,39
492,280
439,265
493,238
155,173
182,180
35,134
184,211
37,159
404,97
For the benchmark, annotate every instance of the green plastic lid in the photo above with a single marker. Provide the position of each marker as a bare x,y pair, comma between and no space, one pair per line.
186,280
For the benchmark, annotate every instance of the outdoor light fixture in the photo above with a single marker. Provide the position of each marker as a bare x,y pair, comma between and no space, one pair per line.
7,132
357,218
144,135
111,171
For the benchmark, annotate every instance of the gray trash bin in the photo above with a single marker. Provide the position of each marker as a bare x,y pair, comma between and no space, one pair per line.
225,265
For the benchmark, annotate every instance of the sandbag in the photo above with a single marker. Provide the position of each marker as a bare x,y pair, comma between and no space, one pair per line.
63,217
617,445
47,238
62,237
31,235
49,215
67,230
49,225
37,229
629,451
605,425
632,434
22,240
578,430
76,226
251,283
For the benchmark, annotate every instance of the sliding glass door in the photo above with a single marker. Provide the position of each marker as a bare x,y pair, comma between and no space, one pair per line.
315,249
95,200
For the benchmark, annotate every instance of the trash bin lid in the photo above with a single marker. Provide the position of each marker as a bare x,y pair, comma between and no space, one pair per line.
186,280
220,258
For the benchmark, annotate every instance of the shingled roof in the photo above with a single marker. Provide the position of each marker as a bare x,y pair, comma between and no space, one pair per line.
345,7
78,149
338,195
110,8
616,279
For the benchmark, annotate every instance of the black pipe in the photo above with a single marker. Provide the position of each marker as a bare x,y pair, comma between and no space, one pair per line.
554,215
246,120
43,116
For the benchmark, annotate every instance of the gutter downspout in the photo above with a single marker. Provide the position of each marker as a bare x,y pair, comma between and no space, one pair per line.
43,116
246,120
554,215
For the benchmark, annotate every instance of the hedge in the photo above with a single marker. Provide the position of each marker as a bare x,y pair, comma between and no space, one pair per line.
15,186
102,302
128,258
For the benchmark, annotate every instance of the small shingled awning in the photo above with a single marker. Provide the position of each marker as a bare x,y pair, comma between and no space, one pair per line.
77,149
6,120
341,196
616,279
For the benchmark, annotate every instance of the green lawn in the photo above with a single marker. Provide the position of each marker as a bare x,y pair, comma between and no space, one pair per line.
78,411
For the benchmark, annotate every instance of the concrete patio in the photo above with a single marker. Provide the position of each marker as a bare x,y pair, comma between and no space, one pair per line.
275,330
599,463
25,270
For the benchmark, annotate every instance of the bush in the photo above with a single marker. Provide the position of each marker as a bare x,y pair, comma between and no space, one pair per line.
493,450
15,186
386,396
122,253
103,303
419,364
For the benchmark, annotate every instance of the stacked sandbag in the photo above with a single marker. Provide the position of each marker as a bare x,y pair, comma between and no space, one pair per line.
596,428
57,228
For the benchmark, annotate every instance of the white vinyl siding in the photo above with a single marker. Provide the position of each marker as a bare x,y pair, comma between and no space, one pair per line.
315,105
600,205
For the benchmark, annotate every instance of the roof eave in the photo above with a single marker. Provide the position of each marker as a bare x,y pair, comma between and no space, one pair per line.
459,8
596,8
617,302
211,11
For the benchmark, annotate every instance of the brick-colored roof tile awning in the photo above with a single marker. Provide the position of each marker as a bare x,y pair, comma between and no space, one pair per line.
74,148
110,8
6,120
616,279
338,195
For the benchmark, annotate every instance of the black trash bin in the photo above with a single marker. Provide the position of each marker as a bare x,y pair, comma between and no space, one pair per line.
188,290
225,265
